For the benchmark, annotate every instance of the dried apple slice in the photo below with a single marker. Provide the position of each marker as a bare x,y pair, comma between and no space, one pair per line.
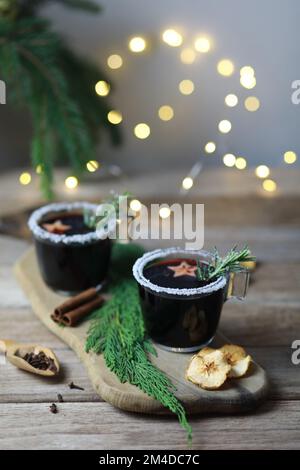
209,371
203,352
237,358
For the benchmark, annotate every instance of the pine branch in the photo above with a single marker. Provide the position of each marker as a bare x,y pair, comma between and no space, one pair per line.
117,331
40,72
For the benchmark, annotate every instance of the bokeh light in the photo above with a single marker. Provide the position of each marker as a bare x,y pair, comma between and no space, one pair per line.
241,163
225,126
247,70
166,113
164,212
25,178
202,44
187,183
135,205
262,171
39,169
290,157
269,185
225,67
172,37
114,116
248,81
137,44
210,147
92,166
231,100
187,56
102,88
142,130
186,87
71,182
114,61
229,159
252,104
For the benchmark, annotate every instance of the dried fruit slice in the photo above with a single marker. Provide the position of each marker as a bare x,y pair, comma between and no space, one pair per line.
203,352
237,358
209,371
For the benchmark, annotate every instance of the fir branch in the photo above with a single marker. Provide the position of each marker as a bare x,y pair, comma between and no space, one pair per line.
39,72
117,331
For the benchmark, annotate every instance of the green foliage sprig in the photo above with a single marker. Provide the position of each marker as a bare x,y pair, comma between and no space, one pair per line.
222,266
117,331
57,88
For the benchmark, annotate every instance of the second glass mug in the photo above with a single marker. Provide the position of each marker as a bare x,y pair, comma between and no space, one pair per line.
184,319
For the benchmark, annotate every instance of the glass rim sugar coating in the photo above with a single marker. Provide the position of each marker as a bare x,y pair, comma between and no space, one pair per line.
141,263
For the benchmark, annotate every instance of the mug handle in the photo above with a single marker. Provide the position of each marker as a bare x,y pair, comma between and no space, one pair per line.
237,285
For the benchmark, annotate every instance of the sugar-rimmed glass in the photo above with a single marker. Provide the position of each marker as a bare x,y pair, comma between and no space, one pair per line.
182,313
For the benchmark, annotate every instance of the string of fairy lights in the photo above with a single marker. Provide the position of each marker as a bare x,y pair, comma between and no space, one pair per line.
142,130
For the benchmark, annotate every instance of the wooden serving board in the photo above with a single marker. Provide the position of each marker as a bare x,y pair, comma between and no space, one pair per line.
235,396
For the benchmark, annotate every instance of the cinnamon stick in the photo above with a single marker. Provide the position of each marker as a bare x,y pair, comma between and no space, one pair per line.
72,317
76,308
76,301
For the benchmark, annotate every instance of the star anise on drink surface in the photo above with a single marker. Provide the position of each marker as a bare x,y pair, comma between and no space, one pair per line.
184,269
57,227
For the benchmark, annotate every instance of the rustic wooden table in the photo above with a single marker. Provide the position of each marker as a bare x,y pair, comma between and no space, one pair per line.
266,324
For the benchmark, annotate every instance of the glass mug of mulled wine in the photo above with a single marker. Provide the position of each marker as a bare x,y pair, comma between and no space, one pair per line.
182,313
71,255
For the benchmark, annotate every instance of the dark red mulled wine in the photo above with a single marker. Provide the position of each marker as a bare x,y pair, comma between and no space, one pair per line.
70,255
181,313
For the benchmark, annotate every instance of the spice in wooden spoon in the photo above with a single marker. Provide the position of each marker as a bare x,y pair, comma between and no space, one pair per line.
31,357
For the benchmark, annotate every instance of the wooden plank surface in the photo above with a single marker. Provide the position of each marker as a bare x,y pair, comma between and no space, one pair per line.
235,396
266,324
100,426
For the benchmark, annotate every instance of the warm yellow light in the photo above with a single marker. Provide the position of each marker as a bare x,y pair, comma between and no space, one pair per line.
229,159
210,147
187,56
252,103
231,100
187,183
114,61
225,126
186,87
202,44
172,38
71,182
290,157
137,44
39,170
247,70
166,113
225,67
92,166
240,163
269,185
102,88
25,178
114,117
164,212
262,171
142,130
135,205
248,81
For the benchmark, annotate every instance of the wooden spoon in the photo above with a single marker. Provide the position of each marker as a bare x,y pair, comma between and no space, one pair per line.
15,353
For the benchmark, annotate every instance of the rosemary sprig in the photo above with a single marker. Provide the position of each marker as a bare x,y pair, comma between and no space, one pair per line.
222,266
